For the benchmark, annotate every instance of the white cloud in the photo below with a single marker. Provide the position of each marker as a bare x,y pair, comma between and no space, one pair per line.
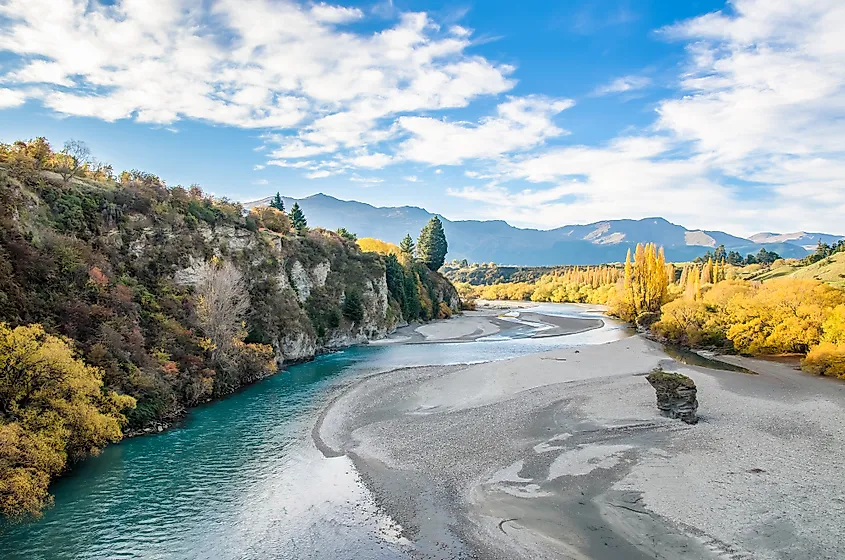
11,98
322,174
411,178
366,180
258,167
459,31
261,182
521,123
753,141
370,161
274,64
624,84
765,101
335,14
294,164
438,171
631,177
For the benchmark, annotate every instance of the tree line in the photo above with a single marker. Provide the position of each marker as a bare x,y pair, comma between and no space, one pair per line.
763,256
704,304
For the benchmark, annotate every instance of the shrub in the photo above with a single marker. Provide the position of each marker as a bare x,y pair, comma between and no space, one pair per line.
647,319
443,310
826,359
272,219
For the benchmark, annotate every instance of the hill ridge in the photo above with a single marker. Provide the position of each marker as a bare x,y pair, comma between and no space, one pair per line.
501,242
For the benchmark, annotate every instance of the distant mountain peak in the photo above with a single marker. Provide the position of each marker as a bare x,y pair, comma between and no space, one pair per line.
498,241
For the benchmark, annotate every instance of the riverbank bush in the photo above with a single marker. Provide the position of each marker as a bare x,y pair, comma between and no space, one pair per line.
53,410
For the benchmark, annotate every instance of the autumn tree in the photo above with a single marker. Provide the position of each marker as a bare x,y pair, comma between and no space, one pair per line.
53,409
71,159
645,282
271,218
297,217
432,245
222,305
278,203
372,245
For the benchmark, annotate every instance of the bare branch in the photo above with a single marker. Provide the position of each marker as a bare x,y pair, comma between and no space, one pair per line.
223,304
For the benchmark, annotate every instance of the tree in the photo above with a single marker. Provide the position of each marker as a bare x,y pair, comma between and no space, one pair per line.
353,308
71,159
297,217
395,274
407,248
431,245
373,245
720,254
346,234
53,409
645,282
223,302
278,203
734,258
766,257
271,218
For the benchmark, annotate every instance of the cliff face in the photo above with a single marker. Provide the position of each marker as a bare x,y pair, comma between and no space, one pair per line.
115,267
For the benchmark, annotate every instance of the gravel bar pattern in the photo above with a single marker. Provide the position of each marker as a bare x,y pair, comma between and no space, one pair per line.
564,455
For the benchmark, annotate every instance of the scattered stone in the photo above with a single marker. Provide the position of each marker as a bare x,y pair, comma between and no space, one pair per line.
676,395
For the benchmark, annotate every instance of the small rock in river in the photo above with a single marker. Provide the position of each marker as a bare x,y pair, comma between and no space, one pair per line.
676,395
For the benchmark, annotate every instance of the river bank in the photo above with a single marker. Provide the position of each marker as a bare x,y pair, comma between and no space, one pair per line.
563,454
507,446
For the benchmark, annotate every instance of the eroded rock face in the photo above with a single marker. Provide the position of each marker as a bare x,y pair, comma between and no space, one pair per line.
676,395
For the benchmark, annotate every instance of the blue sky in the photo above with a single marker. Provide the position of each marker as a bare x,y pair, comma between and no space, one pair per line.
713,115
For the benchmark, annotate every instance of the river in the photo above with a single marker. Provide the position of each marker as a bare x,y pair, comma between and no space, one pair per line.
241,478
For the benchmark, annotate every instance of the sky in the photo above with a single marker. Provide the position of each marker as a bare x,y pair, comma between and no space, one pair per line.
714,115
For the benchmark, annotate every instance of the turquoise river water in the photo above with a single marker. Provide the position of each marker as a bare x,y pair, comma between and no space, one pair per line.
241,478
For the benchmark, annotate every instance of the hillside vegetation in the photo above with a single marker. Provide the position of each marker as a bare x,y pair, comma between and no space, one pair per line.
124,301
710,304
830,270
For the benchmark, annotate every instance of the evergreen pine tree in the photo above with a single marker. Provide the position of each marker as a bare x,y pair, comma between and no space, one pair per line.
278,203
407,247
431,245
297,218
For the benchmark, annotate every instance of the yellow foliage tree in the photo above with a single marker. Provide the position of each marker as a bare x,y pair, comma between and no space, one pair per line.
271,218
372,245
53,409
645,283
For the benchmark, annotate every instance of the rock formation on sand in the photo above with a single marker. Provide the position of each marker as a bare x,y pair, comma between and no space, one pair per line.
676,395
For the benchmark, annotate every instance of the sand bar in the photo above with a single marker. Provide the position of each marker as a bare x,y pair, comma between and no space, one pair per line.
563,455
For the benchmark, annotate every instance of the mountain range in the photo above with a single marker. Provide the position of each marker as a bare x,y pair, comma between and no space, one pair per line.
500,242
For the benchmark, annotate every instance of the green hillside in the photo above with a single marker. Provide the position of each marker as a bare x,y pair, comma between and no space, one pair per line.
830,270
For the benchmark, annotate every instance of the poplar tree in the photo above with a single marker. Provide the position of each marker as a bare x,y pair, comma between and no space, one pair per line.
646,281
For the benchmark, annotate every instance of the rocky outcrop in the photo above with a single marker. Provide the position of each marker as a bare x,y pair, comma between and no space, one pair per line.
676,395
298,284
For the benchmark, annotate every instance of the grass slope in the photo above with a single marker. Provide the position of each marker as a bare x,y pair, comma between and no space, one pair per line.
830,270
